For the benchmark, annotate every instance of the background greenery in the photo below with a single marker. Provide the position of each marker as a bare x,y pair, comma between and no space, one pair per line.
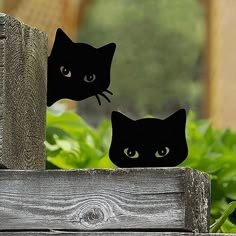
72,143
157,66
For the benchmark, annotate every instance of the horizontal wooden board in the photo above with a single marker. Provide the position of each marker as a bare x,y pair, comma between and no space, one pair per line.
175,199
66,233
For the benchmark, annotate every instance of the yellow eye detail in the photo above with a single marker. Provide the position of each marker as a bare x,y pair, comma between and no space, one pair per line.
65,72
131,153
162,152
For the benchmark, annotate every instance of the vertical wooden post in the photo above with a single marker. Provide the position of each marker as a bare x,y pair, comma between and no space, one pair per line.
221,63
23,73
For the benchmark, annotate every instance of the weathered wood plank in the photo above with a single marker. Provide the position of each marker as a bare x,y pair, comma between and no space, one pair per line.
175,199
67,233
23,73
197,202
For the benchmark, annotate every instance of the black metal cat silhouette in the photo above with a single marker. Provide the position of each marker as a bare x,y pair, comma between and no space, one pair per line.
77,70
148,142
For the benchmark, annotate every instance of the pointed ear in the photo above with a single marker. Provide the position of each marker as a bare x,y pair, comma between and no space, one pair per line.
120,121
177,119
60,42
107,52
61,36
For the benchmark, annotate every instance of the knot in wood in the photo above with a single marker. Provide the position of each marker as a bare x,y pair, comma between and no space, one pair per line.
93,215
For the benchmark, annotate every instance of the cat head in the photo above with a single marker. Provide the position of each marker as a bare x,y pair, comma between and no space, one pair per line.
148,142
78,70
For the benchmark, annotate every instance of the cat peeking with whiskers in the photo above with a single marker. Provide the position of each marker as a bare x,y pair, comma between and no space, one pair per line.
77,70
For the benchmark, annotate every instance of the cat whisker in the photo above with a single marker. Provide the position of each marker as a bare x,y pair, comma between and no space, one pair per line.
108,91
99,101
102,94
105,97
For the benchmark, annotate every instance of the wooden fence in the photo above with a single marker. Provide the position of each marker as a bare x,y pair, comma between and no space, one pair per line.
35,201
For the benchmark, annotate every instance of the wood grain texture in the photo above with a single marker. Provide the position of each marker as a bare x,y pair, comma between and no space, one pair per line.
102,199
23,73
67,233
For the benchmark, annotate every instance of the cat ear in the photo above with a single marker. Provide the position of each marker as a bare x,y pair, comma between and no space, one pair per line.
177,119
107,51
119,120
60,42
109,48
61,36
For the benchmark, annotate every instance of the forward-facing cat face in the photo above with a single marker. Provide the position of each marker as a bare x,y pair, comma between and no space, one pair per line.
148,142
77,70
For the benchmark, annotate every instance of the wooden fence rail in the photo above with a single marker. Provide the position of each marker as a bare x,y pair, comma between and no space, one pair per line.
167,199
118,233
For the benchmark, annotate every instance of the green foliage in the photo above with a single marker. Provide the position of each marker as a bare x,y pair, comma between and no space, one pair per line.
214,152
220,223
72,143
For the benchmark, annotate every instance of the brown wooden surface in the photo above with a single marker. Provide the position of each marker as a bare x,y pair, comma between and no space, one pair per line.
125,199
23,71
221,47
48,15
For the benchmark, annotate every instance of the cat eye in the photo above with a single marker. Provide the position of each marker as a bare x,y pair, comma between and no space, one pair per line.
162,152
131,153
89,78
65,72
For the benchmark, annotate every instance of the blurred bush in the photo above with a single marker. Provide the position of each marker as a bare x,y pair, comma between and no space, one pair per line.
71,144
157,66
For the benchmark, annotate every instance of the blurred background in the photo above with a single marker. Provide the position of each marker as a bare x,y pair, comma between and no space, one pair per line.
170,54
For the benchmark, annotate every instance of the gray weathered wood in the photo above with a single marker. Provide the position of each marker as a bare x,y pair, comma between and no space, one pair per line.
23,73
162,199
66,233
